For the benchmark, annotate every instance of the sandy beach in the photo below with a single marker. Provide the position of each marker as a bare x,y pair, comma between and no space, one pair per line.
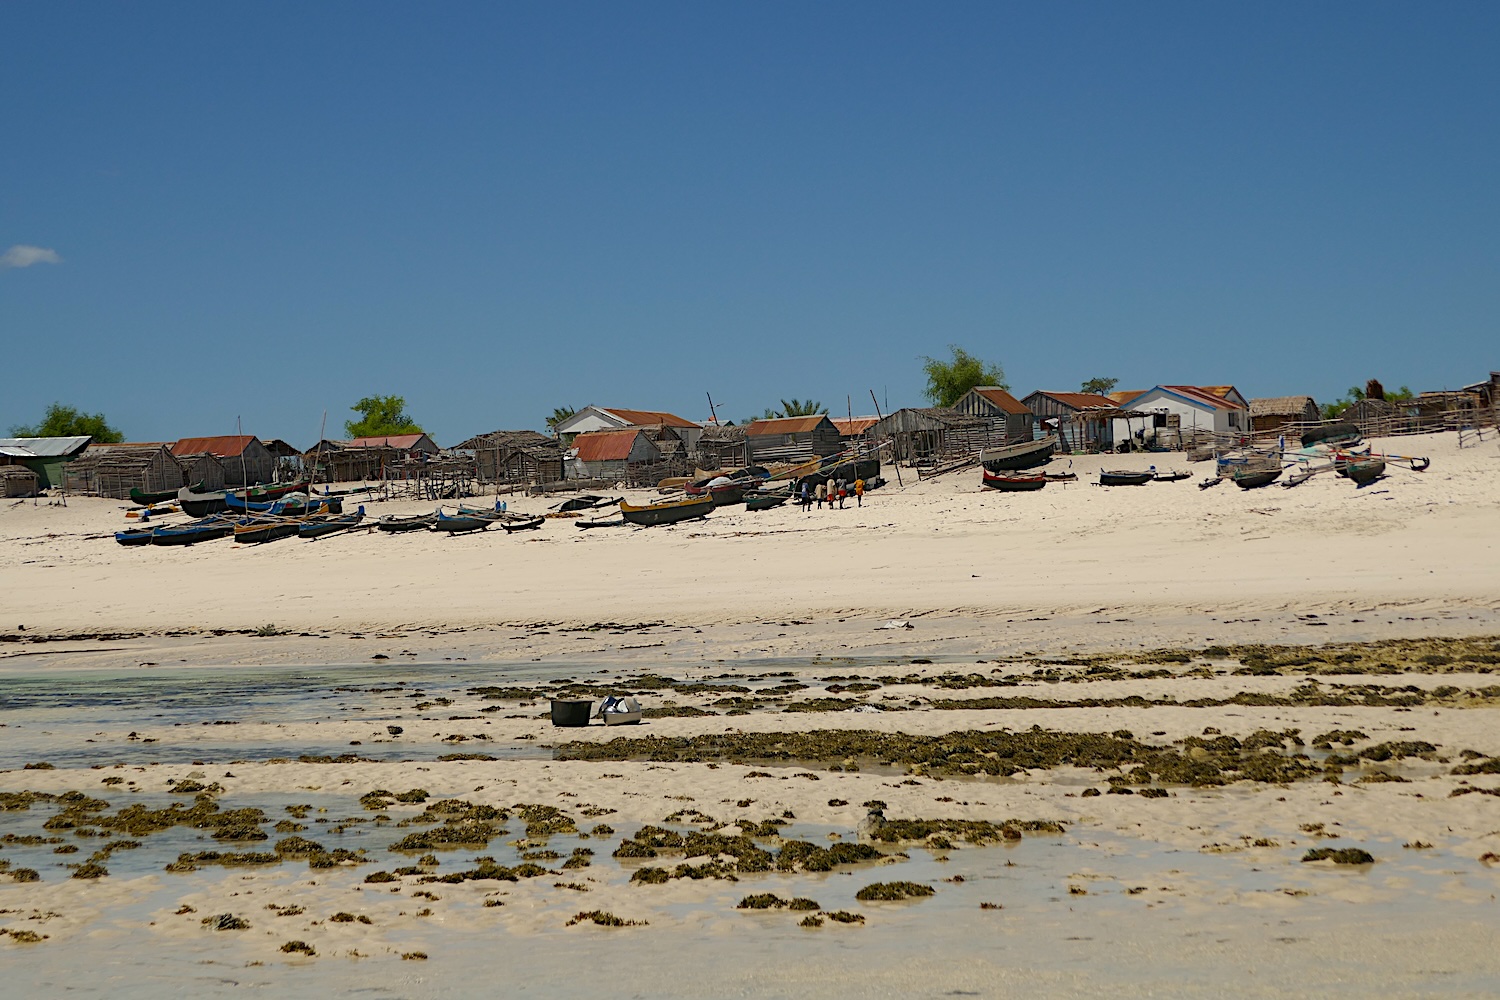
1105,725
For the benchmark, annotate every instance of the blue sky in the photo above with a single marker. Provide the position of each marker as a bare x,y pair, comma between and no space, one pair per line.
265,211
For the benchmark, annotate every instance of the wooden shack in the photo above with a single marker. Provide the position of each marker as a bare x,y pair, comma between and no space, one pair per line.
246,460
18,481
201,468
1008,418
1269,414
933,433
721,446
519,457
791,439
1082,421
610,454
115,471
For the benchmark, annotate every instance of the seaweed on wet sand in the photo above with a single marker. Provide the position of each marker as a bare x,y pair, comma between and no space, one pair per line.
24,936
299,947
226,922
345,917
603,918
190,862
893,891
414,956
1339,856
844,917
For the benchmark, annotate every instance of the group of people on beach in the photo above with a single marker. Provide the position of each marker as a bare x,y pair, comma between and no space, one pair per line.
830,491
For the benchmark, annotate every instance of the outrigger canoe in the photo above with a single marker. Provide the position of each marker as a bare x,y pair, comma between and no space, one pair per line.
670,512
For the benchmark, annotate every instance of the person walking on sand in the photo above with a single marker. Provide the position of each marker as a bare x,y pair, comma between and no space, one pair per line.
843,491
806,498
822,494
859,493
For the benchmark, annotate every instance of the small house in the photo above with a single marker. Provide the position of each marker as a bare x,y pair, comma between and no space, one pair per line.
113,470
245,459
1007,416
927,434
408,445
521,457
791,439
603,418
721,446
17,481
202,468
856,431
45,456
1083,421
610,454
1268,414
1186,413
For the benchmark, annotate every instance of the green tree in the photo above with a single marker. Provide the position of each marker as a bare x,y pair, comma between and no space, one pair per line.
380,416
559,414
1332,410
66,421
1100,386
947,381
795,407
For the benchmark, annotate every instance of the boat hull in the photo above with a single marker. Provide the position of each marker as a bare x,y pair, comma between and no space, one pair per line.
1027,455
143,499
667,513
254,534
1013,484
396,522
754,502
1256,479
191,534
1125,478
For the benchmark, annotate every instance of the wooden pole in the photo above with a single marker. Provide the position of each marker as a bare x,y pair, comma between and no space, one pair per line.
894,463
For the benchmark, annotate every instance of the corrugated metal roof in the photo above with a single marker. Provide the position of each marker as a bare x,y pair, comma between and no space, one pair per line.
1002,399
1126,395
48,447
606,446
856,426
1204,395
226,446
9,451
1081,400
784,425
645,418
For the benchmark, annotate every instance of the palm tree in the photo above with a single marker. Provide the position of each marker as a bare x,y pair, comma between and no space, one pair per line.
801,407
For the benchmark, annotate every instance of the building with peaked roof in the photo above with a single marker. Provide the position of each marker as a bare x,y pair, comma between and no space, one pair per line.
791,439
721,446
1081,420
44,456
115,471
410,444
609,418
245,459
526,457
1183,413
1270,412
1008,417
932,433
852,428
609,454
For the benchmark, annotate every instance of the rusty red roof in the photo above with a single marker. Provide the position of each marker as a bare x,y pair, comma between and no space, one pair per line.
1081,400
226,446
784,425
854,427
647,418
1205,395
1002,399
606,446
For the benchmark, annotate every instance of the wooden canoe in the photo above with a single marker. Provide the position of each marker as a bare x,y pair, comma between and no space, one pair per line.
1121,477
405,522
457,523
1024,455
1252,478
143,499
766,501
667,513
1013,483
317,527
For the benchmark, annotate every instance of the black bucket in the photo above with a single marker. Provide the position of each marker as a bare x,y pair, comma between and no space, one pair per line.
571,711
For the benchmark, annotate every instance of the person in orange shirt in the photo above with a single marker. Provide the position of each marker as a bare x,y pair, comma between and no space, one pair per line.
859,493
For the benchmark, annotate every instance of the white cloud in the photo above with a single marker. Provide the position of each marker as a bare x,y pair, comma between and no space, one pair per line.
22,255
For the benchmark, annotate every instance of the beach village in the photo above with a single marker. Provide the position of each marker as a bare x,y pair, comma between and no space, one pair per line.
254,491
1070,692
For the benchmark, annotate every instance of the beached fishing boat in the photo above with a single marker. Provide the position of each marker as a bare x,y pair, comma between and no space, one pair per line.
767,500
202,530
609,522
405,522
1123,477
1171,477
1252,478
457,523
669,512
521,522
1332,434
586,502
266,529
1363,471
320,526
134,536
291,506
1012,483
141,498
724,494
204,504
1061,477
1025,455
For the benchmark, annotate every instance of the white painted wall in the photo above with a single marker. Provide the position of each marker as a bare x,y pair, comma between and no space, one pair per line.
1192,413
